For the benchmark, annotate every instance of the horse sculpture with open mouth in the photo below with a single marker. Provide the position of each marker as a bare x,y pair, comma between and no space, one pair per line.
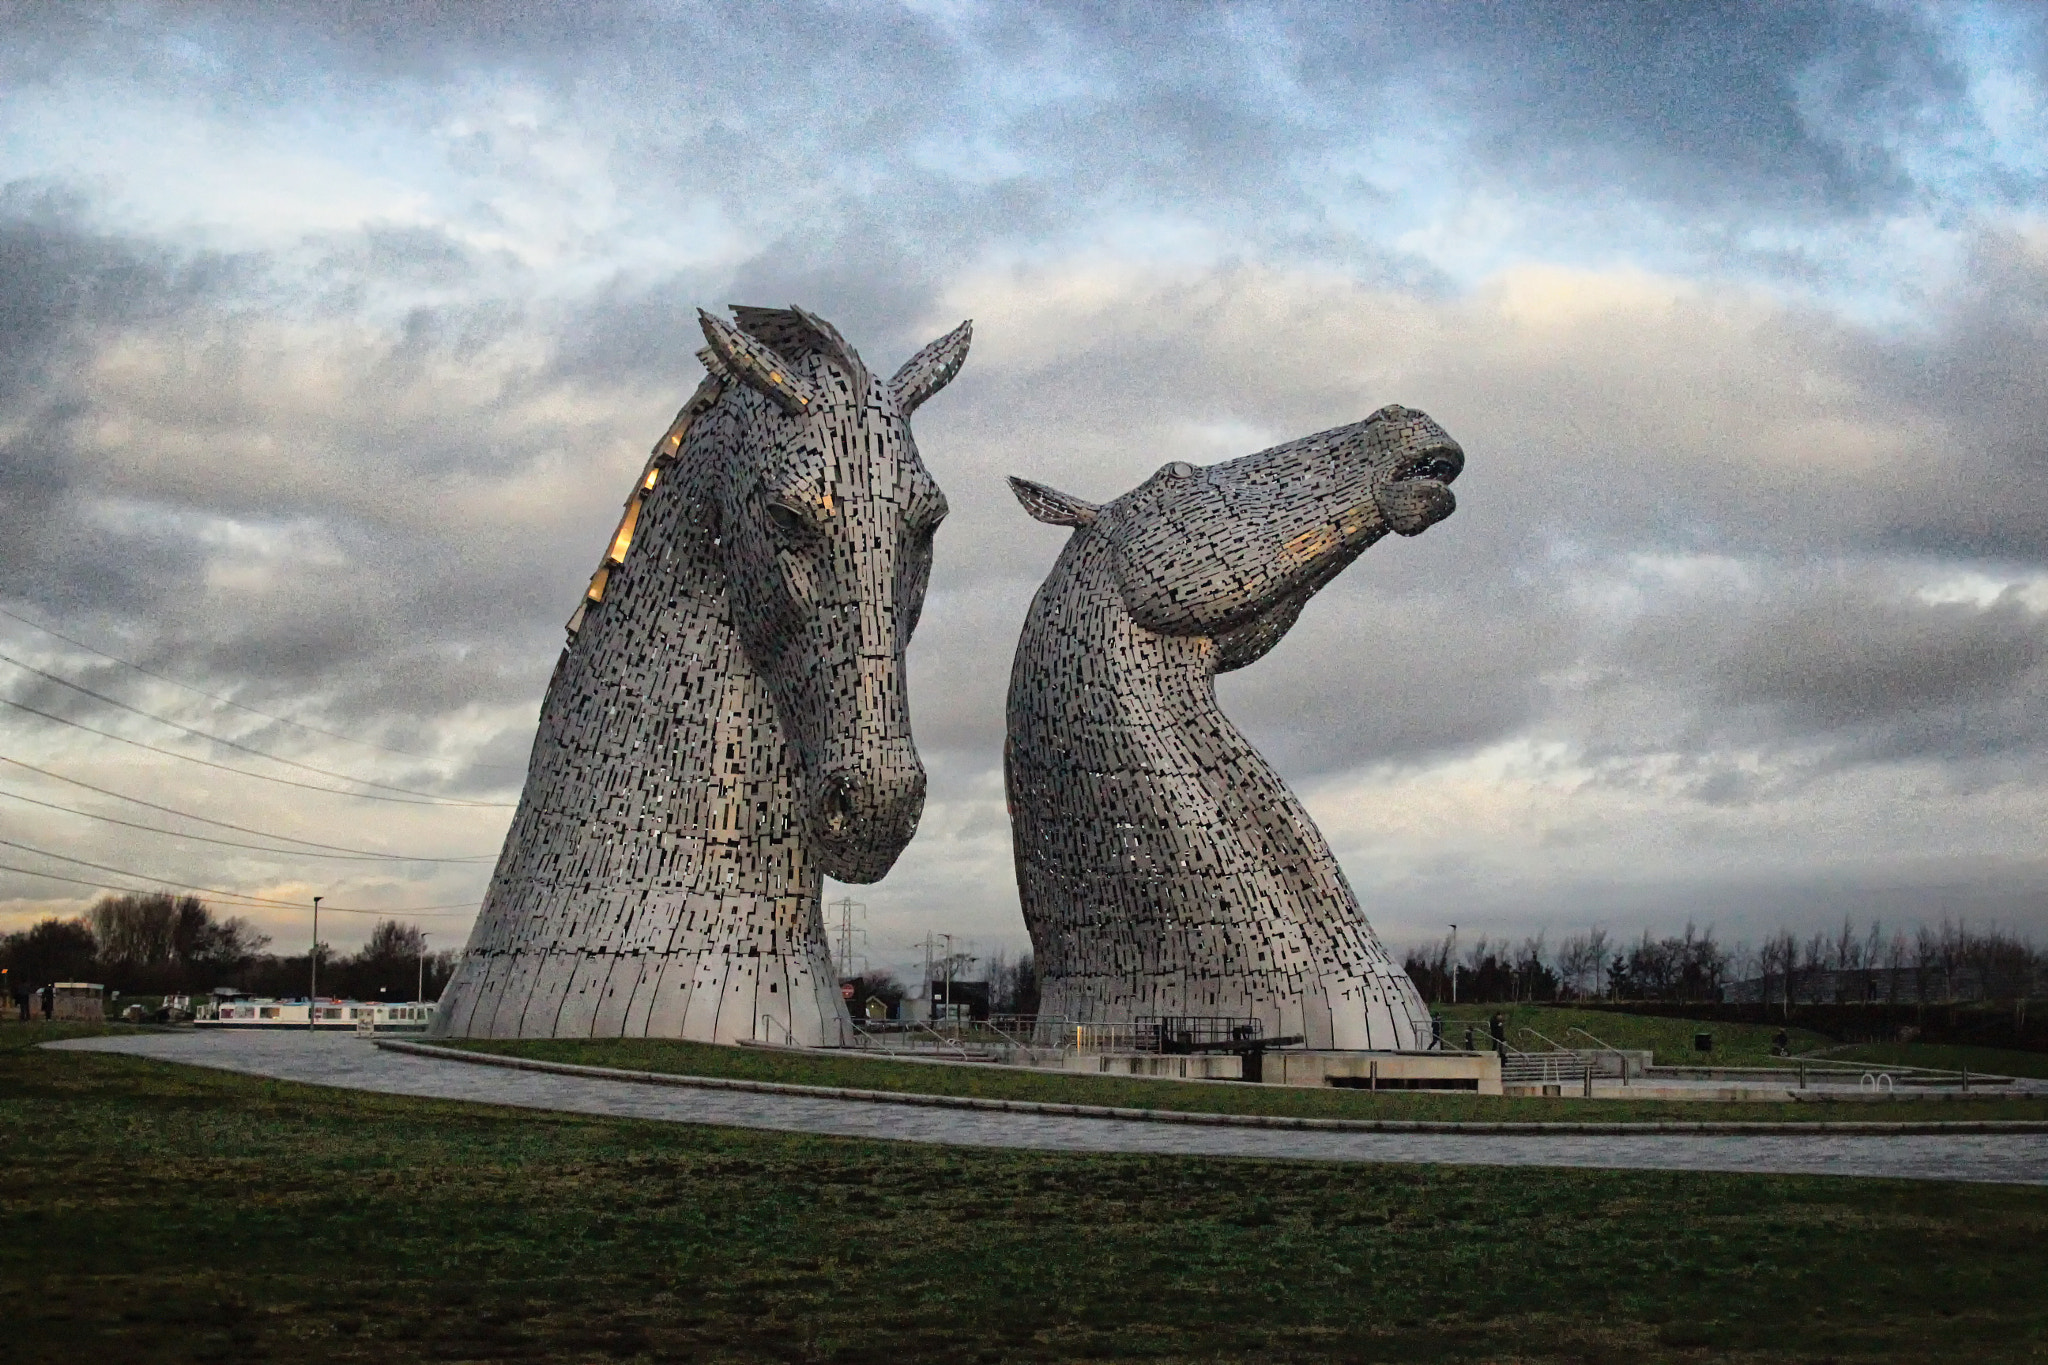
728,722
1164,867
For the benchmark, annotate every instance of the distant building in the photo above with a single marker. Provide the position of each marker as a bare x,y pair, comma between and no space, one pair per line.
80,1001
959,1001
249,1013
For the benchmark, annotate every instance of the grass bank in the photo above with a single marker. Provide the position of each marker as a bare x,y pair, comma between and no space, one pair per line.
1670,1039
154,1213
1007,1083
1995,1060
1735,1044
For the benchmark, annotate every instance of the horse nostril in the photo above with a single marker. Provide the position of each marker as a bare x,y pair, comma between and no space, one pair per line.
837,806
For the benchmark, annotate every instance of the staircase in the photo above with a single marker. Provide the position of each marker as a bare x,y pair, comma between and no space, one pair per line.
1542,1068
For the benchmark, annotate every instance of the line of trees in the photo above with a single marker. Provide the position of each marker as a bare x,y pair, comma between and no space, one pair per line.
1012,984
1942,963
166,945
1929,964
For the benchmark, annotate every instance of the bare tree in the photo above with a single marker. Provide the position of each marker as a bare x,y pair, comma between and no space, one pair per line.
1575,964
139,932
1897,952
1813,960
1847,949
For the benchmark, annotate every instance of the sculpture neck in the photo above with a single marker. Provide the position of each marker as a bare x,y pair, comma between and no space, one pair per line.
1089,659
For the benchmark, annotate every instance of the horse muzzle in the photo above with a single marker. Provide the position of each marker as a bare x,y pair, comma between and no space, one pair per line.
862,815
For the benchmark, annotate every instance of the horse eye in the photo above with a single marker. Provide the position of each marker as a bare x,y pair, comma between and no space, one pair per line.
1180,469
787,520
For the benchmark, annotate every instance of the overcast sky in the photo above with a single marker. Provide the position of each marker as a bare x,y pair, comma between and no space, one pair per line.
332,336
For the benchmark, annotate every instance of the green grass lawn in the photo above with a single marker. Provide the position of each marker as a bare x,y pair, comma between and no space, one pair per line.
154,1213
1669,1039
1991,1060
1734,1044
872,1073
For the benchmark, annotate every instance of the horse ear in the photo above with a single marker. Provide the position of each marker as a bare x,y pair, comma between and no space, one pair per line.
931,369
1052,506
754,365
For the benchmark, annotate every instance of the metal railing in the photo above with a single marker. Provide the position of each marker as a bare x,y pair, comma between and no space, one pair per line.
1620,1057
870,1038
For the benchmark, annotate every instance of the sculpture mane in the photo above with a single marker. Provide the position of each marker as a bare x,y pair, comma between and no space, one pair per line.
1163,866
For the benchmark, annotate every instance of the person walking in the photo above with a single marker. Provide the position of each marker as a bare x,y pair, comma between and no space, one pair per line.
49,1000
1497,1029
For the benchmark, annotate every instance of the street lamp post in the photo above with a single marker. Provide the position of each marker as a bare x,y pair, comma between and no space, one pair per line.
419,993
313,968
1454,964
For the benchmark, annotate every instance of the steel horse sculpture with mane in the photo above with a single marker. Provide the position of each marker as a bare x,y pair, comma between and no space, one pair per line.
728,720
1164,867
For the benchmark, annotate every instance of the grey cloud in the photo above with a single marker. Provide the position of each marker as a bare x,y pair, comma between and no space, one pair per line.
1980,373
63,291
1840,658
1707,104
1369,676
903,134
402,254
1848,668
450,479
373,587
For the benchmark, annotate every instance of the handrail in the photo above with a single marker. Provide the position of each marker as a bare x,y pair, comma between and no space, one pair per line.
1619,1055
942,1039
1560,1047
1607,1046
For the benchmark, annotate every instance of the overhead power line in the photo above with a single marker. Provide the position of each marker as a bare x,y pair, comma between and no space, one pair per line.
223,824
244,772
241,896
229,701
240,905
231,843
213,738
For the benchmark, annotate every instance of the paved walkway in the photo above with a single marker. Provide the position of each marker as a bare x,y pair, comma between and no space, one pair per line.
352,1063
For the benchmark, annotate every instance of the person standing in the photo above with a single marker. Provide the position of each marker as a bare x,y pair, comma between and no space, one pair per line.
1497,1029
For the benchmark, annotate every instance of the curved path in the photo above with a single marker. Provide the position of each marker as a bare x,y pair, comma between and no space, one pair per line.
352,1063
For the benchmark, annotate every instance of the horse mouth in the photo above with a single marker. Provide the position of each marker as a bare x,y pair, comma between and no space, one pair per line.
1412,506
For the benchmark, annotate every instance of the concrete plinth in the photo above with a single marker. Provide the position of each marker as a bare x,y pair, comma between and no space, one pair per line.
1199,1066
1471,1072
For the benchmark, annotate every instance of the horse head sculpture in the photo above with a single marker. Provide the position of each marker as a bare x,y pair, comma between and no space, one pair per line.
728,723
823,518
1164,868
